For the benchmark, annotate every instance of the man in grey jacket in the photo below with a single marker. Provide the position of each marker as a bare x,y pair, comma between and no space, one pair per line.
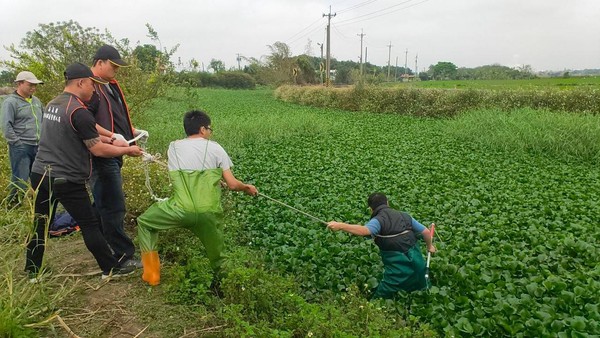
21,125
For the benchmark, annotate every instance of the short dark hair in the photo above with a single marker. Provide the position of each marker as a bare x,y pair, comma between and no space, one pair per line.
193,120
377,199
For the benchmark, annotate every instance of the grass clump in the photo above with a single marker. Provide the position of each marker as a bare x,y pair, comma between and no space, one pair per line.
542,132
24,306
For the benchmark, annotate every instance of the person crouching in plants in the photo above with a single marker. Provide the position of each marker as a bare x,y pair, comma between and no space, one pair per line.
395,233
196,167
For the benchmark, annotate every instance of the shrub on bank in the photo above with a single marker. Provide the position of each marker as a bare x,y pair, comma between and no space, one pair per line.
234,80
435,102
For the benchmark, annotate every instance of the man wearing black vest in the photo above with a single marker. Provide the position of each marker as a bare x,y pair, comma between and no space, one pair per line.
63,165
112,118
395,233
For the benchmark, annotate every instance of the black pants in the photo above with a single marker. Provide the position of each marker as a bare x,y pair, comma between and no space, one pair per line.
75,199
107,188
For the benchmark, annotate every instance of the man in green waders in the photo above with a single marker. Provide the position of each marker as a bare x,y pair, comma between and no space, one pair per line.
395,233
196,167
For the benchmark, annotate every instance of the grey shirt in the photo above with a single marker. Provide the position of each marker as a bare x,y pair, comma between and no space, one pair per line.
21,119
197,154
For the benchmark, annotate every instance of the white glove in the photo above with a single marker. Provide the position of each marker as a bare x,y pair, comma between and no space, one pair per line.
119,137
144,134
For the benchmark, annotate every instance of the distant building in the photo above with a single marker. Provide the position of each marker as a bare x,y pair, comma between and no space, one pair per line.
407,77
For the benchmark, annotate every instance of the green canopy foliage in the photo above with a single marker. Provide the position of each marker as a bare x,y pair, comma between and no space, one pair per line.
49,49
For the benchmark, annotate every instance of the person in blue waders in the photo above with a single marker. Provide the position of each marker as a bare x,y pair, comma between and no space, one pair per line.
196,167
395,233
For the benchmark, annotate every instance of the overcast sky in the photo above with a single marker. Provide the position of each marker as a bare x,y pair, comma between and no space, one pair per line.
546,34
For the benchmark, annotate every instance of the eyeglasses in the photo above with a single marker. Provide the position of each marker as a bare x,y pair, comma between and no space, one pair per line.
209,128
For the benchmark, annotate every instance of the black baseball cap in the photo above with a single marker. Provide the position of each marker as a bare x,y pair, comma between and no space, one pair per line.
111,54
80,71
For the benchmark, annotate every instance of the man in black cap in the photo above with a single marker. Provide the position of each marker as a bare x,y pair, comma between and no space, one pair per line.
113,120
62,167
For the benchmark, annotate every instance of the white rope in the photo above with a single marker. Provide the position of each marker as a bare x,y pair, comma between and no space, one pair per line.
291,207
146,159
140,135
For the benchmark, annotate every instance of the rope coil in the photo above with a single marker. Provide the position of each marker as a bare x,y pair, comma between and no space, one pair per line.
147,158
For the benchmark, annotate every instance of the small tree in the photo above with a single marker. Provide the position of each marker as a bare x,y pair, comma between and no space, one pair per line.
148,57
280,63
48,50
307,71
7,78
216,65
443,70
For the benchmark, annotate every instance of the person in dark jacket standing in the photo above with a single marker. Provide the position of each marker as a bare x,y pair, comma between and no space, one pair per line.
113,120
21,125
62,167
395,233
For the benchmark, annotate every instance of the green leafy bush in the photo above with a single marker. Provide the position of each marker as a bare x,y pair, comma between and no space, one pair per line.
234,80
189,282
262,303
441,102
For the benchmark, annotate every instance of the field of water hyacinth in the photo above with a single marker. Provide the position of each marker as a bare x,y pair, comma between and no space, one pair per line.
515,195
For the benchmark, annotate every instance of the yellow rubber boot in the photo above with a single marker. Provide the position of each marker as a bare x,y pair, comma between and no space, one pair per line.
151,264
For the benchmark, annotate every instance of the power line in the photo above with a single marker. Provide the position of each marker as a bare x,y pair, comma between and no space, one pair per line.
375,12
350,21
339,2
304,35
305,28
342,34
356,6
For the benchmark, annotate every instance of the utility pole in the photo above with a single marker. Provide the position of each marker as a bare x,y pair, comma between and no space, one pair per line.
366,50
416,72
328,63
396,70
389,59
406,61
361,51
239,58
321,63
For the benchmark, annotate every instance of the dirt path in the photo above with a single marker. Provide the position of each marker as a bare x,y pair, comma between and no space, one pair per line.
95,308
